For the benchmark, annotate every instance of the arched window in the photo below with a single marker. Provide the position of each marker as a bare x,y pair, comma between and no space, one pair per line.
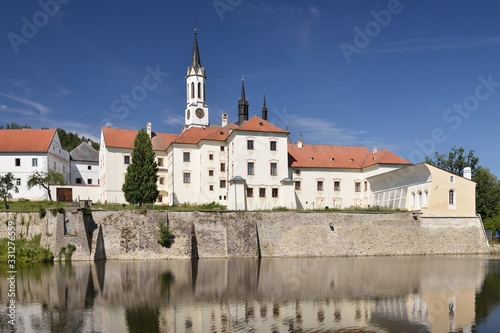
199,89
192,90
451,198
413,199
424,199
452,179
204,91
419,199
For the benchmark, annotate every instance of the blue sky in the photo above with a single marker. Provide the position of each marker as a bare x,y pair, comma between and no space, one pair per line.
410,76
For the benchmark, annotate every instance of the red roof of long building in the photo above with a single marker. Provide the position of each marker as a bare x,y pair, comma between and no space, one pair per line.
124,138
26,140
341,157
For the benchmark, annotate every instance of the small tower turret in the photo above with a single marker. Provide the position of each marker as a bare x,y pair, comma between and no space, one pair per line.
242,105
264,109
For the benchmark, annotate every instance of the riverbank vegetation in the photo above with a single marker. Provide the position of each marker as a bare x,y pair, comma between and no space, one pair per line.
27,251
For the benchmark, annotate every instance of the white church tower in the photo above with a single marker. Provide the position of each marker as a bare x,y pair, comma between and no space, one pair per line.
196,110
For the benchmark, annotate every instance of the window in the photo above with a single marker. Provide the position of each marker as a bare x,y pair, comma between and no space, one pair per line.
18,162
64,169
319,185
192,90
250,144
221,148
199,89
210,173
89,181
272,145
186,178
160,161
78,180
452,179
250,168
211,187
89,167
211,157
274,192
18,181
451,198
336,185
223,167
366,186
297,185
186,156
55,165
249,192
162,180
34,162
160,198
262,192
357,187
126,159
424,200
222,183
274,169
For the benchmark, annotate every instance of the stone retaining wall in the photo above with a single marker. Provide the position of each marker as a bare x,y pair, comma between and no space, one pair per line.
135,235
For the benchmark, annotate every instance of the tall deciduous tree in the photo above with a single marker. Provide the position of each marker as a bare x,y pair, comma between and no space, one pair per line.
455,161
6,186
140,185
45,179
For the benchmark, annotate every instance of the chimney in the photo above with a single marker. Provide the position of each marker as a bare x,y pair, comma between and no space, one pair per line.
148,129
468,173
299,143
224,119
375,149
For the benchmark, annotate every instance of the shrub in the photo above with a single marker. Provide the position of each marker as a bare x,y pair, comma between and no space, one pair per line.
166,237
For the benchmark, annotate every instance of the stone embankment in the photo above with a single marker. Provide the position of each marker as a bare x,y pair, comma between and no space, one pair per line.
134,235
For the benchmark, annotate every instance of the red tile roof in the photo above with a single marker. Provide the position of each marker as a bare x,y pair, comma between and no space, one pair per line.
342,157
124,138
26,140
194,135
257,124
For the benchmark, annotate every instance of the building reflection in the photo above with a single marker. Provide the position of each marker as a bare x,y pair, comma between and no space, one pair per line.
382,294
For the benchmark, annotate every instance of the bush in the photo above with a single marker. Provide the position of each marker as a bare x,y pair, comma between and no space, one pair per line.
27,251
166,237
42,212
67,251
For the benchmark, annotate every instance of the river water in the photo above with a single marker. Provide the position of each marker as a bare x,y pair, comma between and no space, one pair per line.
364,294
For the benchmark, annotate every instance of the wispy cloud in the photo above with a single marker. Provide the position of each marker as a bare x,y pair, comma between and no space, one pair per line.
434,45
43,110
63,92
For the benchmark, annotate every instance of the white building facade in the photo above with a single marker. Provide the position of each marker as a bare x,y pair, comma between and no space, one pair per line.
24,151
247,165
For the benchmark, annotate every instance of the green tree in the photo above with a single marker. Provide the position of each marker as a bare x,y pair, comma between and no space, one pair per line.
45,179
455,161
140,180
6,186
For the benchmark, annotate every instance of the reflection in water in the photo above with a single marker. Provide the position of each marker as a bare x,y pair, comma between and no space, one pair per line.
372,294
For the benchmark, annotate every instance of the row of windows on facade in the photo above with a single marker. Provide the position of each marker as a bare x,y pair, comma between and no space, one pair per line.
200,93
250,145
186,157
34,163
336,186
420,199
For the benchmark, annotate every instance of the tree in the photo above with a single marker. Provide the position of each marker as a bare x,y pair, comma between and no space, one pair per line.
488,197
45,179
454,161
140,185
6,186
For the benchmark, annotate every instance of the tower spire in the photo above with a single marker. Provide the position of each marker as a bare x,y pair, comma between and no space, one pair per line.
264,108
196,63
242,104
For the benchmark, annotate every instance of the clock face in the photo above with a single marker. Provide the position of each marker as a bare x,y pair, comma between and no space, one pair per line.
199,113
188,115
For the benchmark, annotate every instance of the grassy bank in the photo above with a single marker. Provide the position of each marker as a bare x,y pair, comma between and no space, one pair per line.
27,251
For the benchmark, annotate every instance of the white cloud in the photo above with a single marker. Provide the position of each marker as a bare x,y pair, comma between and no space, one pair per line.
43,110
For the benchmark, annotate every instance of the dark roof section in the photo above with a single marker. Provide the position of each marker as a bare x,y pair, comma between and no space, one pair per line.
196,63
85,153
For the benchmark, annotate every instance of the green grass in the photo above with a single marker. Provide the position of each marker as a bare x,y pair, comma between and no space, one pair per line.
31,206
27,251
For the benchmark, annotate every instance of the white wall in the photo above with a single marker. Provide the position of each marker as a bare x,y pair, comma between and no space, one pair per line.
262,157
80,169
22,172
